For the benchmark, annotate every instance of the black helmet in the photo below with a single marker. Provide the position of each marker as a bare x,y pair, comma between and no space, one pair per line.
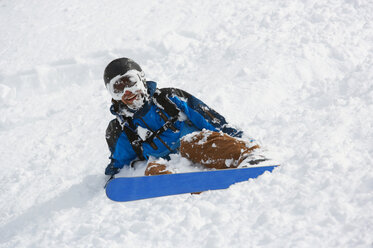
119,67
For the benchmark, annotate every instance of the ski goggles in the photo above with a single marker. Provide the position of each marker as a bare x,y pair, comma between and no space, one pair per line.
133,80
123,83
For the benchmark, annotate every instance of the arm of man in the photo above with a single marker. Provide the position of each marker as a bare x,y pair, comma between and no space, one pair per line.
213,117
196,118
123,155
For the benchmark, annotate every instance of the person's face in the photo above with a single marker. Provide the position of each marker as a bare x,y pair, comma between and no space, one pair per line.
130,97
132,90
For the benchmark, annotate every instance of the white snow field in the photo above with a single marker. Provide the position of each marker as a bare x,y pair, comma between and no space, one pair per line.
295,75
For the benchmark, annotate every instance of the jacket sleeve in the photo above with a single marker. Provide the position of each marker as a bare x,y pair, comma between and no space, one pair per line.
124,153
196,118
213,117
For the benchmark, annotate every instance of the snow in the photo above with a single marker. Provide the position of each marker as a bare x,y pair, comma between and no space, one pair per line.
295,75
143,132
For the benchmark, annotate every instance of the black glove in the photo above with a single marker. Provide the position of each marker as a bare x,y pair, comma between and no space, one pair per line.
111,170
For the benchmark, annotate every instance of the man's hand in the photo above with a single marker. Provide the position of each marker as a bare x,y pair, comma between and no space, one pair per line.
111,170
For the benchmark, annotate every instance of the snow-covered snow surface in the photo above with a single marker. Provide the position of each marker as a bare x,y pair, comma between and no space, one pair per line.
295,75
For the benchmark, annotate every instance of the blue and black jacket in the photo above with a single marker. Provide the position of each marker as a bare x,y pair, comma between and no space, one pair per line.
156,129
